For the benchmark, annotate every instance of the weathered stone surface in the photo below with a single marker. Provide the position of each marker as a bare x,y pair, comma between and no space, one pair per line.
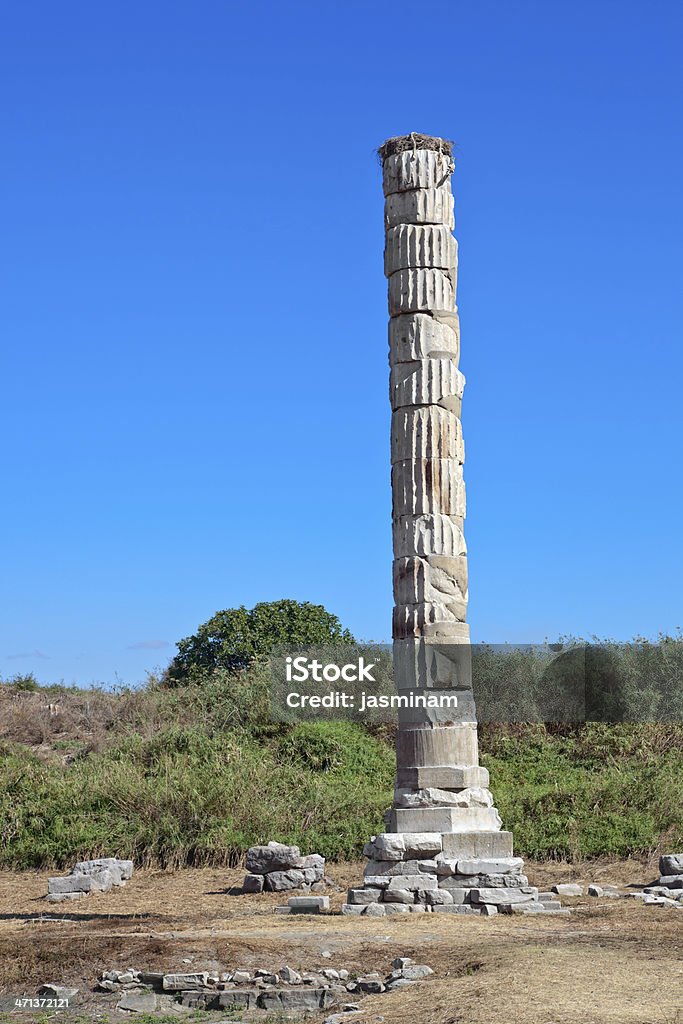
436,708
389,868
412,882
473,797
418,169
567,889
399,896
377,881
421,843
53,991
427,535
120,869
426,432
443,777
672,881
445,819
138,1000
504,896
430,579
485,843
70,884
309,904
274,857
427,382
420,290
417,336
671,864
456,908
420,206
374,910
419,245
242,998
489,865
351,909
531,908
389,847
441,745
427,663
425,620
396,908
439,897
595,890
281,881
290,999
253,883
180,982
361,897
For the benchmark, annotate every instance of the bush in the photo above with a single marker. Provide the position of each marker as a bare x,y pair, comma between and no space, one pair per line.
234,639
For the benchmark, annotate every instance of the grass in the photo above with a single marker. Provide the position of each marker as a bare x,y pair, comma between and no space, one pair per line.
195,775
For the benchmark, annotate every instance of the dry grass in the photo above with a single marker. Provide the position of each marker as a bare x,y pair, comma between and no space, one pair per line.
611,962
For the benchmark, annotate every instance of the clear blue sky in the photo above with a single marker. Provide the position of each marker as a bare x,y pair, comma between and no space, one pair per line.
193,315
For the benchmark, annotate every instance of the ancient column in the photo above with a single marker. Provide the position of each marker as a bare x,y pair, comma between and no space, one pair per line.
443,847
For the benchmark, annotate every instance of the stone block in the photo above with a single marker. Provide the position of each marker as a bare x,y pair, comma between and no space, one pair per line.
416,169
429,534
424,620
490,865
389,846
281,881
122,868
445,819
421,336
426,432
237,998
361,897
488,910
491,843
420,206
437,746
672,881
594,890
377,881
412,882
430,579
289,1000
70,884
443,777
182,982
473,797
504,896
671,864
61,897
351,909
422,843
421,290
419,245
374,910
261,860
309,904
439,897
398,896
528,909
420,662
253,883
427,382
435,708
396,908
567,889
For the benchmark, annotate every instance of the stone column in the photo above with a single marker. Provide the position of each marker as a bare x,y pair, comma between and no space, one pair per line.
443,848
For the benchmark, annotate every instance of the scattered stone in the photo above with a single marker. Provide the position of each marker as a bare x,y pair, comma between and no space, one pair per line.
568,889
671,864
289,976
595,890
53,991
309,904
416,971
672,881
253,883
178,982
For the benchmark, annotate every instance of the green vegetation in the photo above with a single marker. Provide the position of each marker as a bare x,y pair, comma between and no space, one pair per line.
235,638
196,774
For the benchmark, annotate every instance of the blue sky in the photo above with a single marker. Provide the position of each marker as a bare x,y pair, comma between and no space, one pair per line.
193,315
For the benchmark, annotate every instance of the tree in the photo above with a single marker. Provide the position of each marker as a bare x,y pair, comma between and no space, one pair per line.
235,638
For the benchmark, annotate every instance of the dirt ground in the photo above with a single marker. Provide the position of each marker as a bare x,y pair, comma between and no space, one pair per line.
610,962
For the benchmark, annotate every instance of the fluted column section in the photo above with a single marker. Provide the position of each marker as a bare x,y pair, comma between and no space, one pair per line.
437,751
